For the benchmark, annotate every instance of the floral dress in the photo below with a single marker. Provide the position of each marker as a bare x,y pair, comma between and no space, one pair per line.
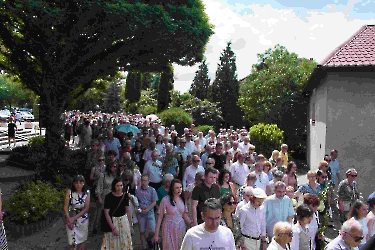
236,229
173,227
80,231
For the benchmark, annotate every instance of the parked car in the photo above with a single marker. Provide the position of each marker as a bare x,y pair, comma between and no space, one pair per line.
27,116
26,110
4,115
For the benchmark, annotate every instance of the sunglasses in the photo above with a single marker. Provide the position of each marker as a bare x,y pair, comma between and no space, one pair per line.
209,163
100,160
183,142
232,203
289,234
196,160
353,175
356,239
323,176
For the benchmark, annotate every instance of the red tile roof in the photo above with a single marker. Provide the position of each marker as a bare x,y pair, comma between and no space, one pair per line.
357,50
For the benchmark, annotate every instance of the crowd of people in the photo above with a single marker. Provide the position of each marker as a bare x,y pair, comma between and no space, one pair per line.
204,191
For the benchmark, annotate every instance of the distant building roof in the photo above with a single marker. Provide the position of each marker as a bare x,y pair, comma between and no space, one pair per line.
357,50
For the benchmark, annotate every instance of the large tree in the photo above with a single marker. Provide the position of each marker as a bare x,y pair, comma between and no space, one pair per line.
58,48
11,90
113,102
272,93
133,86
164,88
225,87
201,82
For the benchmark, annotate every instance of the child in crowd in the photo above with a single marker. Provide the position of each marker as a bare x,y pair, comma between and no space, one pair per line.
290,194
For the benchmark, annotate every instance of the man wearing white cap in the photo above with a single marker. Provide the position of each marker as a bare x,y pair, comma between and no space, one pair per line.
253,221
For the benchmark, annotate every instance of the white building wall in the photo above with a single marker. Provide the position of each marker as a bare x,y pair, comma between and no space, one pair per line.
351,124
317,137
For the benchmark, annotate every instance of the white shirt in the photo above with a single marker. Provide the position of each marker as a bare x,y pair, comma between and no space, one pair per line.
190,146
239,205
313,229
297,230
239,173
253,220
198,149
244,147
197,238
262,180
189,175
202,141
274,245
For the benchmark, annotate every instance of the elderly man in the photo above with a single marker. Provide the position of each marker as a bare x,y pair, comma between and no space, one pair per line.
350,236
247,193
239,170
253,221
279,207
202,140
210,234
154,169
262,178
112,143
283,236
191,171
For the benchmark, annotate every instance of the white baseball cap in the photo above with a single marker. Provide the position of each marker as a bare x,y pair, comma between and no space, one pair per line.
259,193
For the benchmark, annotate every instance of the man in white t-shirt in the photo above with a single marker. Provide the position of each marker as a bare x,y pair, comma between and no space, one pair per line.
210,234
262,178
239,171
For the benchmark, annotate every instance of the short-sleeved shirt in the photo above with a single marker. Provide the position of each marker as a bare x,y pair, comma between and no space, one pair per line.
201,193
12,129
306,188
219,160
111,202
277,210
146,197
113,145
335,168
347,192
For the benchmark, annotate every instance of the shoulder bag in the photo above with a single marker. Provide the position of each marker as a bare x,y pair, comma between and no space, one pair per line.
103,222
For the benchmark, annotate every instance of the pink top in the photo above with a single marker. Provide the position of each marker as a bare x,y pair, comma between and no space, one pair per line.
290,181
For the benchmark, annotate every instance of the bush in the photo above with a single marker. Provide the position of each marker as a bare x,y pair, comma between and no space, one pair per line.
147,110
33,201
177,117
36,140
203,128
266,138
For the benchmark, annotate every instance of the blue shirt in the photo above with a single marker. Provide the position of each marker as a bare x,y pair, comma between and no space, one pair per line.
306,188
113,145
277,210
335,168
154,170
146,197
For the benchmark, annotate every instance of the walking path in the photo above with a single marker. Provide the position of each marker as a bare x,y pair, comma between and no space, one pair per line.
53,237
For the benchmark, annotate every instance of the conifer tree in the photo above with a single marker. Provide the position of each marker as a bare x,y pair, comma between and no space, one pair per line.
201,83
165,86
225,88
112,102
133,86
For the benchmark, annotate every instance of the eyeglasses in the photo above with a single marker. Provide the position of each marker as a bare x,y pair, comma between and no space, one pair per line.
100,160
356,239
182,141
232,203
251,148
290,234
353,175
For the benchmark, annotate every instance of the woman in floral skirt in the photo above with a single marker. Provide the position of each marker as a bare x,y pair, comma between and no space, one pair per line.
117,213
76,206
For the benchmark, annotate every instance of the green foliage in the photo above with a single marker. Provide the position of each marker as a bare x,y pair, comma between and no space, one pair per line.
203,112
33,201
175,99
165,86
38,140
147,110
273,94
266,137
113,101
203,128
201,82
146,104
58,48
225,87
177,117
11,90
133,87
147,79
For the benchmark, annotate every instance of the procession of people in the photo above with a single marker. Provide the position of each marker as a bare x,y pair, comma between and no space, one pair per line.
190,190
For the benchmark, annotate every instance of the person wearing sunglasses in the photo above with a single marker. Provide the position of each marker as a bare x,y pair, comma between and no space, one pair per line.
350,236
283,236
228,218
347,193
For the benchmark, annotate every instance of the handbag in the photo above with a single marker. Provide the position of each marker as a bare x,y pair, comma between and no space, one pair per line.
104,226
